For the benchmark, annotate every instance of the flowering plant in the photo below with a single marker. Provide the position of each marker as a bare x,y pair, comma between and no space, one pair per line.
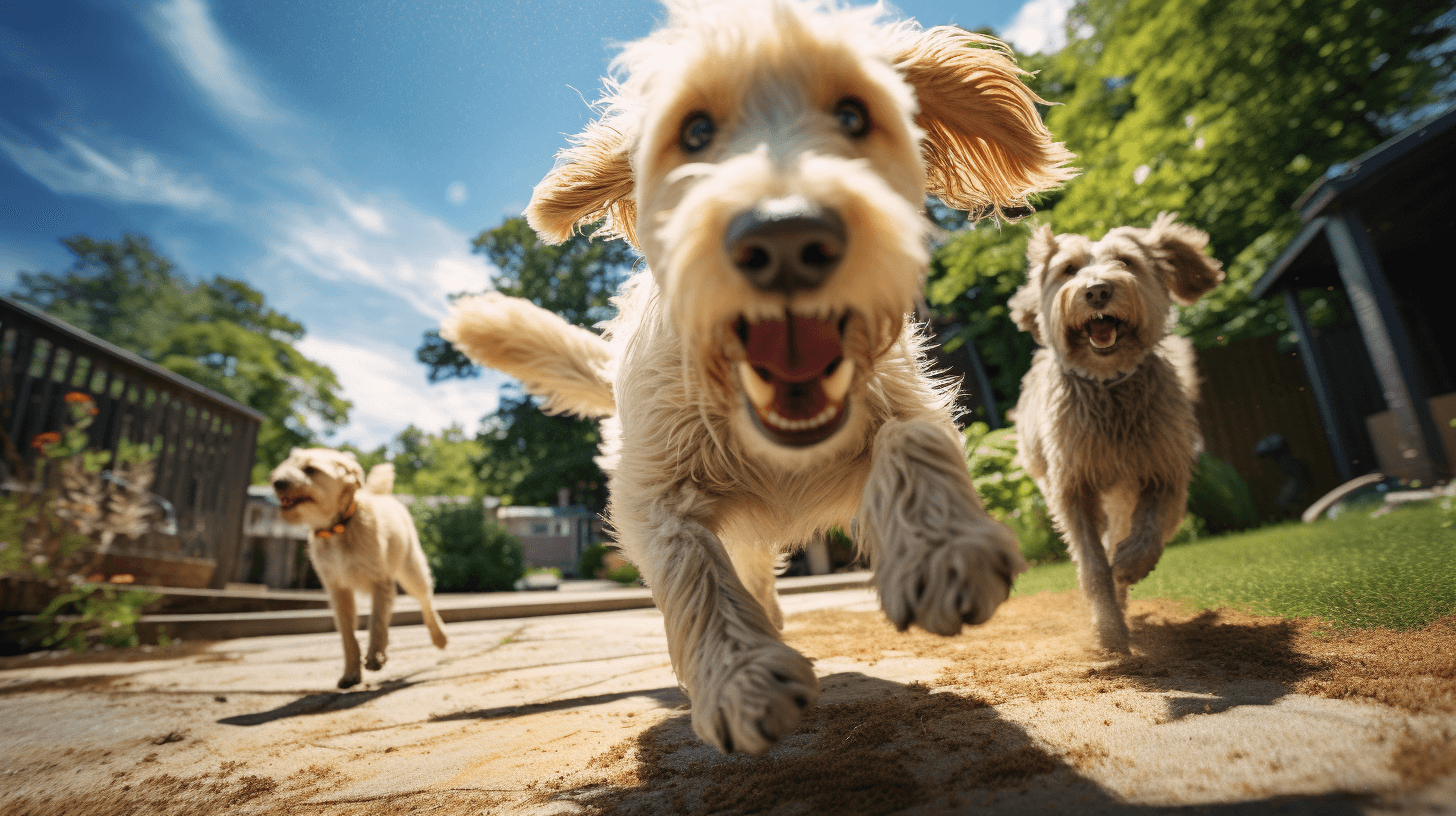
61,514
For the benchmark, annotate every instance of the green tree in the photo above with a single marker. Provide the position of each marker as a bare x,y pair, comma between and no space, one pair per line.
527,456
972,275
219,333
1226,111
438,464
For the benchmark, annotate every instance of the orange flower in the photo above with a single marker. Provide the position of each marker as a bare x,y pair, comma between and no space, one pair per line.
123,578
41,441
77,396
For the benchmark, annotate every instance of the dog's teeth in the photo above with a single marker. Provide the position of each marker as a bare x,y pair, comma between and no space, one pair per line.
760,392
818,420
836,385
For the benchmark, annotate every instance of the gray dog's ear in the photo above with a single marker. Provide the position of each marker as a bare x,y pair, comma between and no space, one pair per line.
985,145
592,181
1189,271
1026,303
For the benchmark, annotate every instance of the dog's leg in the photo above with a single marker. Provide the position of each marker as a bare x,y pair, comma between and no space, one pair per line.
755,567
939,559
345,617
1082,520
414,578
379,615
1159,509
748,689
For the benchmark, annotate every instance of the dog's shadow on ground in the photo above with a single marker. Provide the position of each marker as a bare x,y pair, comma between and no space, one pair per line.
873,746
1220,663
321,703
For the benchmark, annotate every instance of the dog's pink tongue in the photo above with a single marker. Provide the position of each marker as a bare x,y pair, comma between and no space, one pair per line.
796,350
1102,332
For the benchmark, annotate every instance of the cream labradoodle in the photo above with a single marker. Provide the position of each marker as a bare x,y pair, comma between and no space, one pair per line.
762,382
364,540
1105,421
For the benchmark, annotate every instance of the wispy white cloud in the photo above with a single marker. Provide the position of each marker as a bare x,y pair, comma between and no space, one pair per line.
186,29
397,249
389,391
457,193
118,173
1040,26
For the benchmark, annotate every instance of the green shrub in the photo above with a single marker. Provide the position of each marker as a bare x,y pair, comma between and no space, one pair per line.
1219,496
626,575
1010,495
468,553
90,615
591,559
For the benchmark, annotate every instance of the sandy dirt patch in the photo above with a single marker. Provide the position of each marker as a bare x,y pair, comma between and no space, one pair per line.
1216,712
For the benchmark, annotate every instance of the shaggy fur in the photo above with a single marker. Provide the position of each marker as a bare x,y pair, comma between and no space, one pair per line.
744,413
1105,420
377,546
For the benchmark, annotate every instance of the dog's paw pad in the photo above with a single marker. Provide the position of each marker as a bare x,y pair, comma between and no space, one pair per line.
376,662
756,701
943,586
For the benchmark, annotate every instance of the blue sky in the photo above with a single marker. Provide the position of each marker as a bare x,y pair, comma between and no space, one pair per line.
337,156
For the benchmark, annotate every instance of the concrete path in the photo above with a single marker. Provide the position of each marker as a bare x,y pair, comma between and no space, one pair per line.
1216,713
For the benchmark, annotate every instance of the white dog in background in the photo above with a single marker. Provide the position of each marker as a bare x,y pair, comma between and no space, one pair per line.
1105,422
364,540
762,382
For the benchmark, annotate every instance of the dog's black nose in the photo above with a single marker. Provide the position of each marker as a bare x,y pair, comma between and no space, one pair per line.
1098,294
281,484
786,244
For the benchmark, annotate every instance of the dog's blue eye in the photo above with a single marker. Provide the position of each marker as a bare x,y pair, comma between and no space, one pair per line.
853,119
697,132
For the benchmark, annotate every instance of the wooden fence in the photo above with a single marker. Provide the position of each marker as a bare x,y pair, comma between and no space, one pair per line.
1251,390
206,458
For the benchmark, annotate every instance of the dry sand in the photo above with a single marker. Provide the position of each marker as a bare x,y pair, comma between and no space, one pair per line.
1216,712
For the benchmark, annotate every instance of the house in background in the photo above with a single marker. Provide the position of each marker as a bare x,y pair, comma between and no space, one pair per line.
551,536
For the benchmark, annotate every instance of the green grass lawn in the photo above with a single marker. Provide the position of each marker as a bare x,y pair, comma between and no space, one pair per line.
1397,571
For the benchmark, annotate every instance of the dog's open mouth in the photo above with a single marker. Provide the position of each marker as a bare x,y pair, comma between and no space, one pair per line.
795,377
1102,332
290,502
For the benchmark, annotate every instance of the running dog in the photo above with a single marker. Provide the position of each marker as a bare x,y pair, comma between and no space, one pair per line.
1105,421
762,381
363,540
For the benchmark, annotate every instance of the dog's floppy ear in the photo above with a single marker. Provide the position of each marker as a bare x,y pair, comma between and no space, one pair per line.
592,181
985,145
347,469
1189,271
1026,303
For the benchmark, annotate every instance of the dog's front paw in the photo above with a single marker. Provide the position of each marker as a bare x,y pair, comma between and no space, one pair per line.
756,699
376,661
941,584
349,680
1134,557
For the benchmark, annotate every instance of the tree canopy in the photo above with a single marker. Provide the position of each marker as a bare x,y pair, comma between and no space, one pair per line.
526,456
1223,112
219,333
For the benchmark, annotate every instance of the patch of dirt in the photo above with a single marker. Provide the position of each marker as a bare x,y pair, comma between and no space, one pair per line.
63,657
872,746
1042,647
90,682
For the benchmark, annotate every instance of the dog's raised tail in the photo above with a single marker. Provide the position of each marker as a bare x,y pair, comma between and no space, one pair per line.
566,366
380,479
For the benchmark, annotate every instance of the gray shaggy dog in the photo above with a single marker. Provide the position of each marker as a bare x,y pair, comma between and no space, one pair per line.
1105,421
